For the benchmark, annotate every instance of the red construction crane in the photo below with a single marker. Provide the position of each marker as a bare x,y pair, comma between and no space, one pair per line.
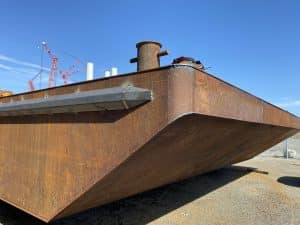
30,82
70,71
54,68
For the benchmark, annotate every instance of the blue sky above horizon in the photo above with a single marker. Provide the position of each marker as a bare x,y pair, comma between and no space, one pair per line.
252,44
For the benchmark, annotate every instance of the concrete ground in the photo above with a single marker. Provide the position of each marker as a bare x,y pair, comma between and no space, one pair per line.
259,191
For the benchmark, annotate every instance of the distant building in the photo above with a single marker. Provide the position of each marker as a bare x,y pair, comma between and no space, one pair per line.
4,93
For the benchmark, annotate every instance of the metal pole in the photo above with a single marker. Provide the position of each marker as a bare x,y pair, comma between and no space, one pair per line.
286,149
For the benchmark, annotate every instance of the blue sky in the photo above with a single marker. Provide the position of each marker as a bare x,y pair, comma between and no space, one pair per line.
254,45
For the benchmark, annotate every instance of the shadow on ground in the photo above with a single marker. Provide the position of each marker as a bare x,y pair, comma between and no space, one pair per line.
291,181
140,209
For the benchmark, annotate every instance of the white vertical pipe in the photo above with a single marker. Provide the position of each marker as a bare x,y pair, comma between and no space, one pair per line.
89,71
106,73
114,71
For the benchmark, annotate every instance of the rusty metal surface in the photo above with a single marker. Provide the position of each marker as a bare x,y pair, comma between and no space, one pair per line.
193,144
148,55
66,163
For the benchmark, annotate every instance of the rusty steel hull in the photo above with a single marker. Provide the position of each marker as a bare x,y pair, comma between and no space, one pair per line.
58,164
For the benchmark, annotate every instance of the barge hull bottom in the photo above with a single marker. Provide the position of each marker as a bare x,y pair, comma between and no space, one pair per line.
193,144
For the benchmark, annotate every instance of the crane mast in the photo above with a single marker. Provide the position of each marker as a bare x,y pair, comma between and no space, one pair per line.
53,69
